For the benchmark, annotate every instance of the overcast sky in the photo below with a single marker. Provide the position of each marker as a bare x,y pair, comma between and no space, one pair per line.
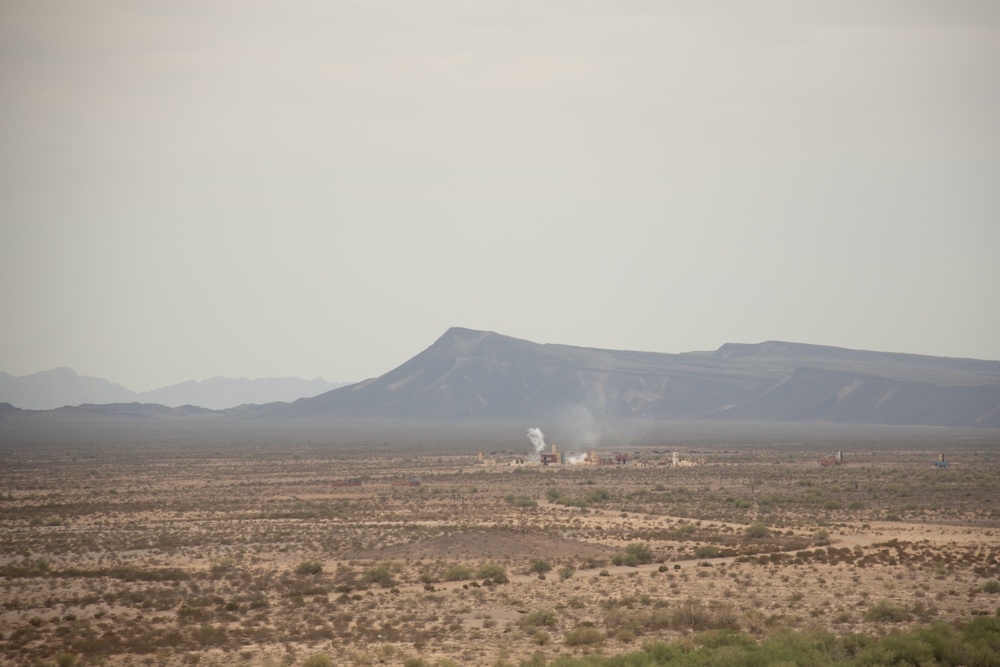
315,188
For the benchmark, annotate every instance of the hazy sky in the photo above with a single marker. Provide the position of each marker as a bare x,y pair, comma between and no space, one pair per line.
316,188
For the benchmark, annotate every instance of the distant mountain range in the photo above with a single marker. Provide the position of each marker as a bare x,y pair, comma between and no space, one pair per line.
483,376
63,387
487,376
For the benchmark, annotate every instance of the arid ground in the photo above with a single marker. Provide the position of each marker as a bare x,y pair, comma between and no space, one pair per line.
221,555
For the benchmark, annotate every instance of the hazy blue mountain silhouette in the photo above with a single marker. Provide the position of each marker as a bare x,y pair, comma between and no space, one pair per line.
479,375
59,387
63,387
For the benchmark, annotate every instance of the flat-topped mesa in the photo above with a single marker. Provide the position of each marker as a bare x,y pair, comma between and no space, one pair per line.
482,375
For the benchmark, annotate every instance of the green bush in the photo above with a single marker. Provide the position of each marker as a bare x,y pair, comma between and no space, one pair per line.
309,567
539,566
886,611
707,551
210,635
566,572
66,659
541,618
318,660
978,643
380,574
520,501
636,553
493,571
457,572
757,530
597,496
584,636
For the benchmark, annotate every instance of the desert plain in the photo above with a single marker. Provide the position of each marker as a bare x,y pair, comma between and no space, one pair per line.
384,552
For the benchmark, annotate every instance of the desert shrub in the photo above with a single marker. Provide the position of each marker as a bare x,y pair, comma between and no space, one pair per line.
209,634
707,551
309,567
318,660
457,572
636,553
566,572
886,611
592,497
191,613
755,620
898,649
597,496
757,530
520,501
991,586
541,618
725,616
689,614
66,659
493,571
978,643
584,635
625,636
541,638
380,574
539,566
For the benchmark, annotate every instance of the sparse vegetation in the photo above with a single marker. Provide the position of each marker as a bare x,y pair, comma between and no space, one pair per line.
636,553
244,557
309,567
494,572
584,636
539,566
757,530
457,572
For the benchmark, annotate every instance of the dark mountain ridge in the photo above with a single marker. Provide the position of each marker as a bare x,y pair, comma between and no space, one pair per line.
483,375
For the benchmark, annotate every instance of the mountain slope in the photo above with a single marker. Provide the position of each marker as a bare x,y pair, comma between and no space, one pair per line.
483,375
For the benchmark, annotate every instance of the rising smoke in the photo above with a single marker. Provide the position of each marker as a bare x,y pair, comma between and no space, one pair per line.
537,439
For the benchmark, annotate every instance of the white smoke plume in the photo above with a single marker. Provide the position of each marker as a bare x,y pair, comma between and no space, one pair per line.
537,439
576,458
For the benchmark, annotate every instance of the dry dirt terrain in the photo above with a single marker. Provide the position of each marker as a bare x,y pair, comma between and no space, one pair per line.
181,556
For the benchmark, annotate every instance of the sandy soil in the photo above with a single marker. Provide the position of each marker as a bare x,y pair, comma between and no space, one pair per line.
175,560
